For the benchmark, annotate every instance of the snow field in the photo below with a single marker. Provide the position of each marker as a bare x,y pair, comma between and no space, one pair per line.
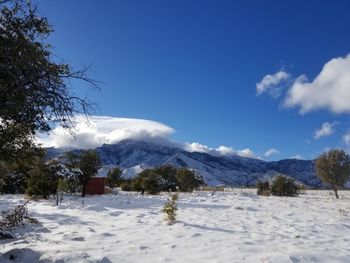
232,226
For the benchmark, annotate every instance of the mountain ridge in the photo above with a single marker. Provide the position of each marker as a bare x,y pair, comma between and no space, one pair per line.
135,155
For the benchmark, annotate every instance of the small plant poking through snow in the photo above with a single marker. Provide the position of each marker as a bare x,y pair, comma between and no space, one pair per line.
170,208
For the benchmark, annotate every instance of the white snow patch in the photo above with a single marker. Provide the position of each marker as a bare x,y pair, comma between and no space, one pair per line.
234,226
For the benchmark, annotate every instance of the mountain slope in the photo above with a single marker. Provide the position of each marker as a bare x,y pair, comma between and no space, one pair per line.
134,156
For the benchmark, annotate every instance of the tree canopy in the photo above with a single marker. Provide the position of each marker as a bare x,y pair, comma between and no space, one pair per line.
35,89
333,168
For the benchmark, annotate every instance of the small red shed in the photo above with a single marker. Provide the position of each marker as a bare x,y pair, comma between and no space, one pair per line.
95,186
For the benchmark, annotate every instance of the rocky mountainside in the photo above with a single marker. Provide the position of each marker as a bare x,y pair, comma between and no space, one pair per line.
134,156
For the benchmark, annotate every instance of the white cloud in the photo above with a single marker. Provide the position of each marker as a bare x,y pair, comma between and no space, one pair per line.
246,153
100,129
346,138
220,151
329,90
272,84
271,151
325,130
224,150
197,147
298,157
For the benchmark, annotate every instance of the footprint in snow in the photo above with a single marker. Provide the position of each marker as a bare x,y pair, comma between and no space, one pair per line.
115,214
78,239
106,234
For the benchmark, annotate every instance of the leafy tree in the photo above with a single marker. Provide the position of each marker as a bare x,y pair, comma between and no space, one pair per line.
187,180
283,186
114,177
333,168
35,90
89,165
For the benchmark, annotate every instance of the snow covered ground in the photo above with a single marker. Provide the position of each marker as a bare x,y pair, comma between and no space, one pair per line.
224,227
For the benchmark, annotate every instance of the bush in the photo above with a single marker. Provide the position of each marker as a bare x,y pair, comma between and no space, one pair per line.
263,188
153,183
283,186
170,208
126,186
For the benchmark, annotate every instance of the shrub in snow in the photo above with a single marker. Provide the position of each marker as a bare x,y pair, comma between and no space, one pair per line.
263,188
170,208
333,168
282,186
126,186
153,183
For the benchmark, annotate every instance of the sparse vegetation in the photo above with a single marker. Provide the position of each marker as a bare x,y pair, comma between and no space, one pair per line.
164,178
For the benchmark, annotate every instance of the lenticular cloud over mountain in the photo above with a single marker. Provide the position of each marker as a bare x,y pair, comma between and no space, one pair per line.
97,130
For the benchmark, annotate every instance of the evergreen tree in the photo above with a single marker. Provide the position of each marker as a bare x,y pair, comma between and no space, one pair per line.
42,181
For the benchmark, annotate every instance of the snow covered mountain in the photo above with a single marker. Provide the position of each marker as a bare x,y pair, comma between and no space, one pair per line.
134,156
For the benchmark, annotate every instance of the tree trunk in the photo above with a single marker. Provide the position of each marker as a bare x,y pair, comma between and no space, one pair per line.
336,192
83,191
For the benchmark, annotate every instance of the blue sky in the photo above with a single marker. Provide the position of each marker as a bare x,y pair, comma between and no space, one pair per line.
194,66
